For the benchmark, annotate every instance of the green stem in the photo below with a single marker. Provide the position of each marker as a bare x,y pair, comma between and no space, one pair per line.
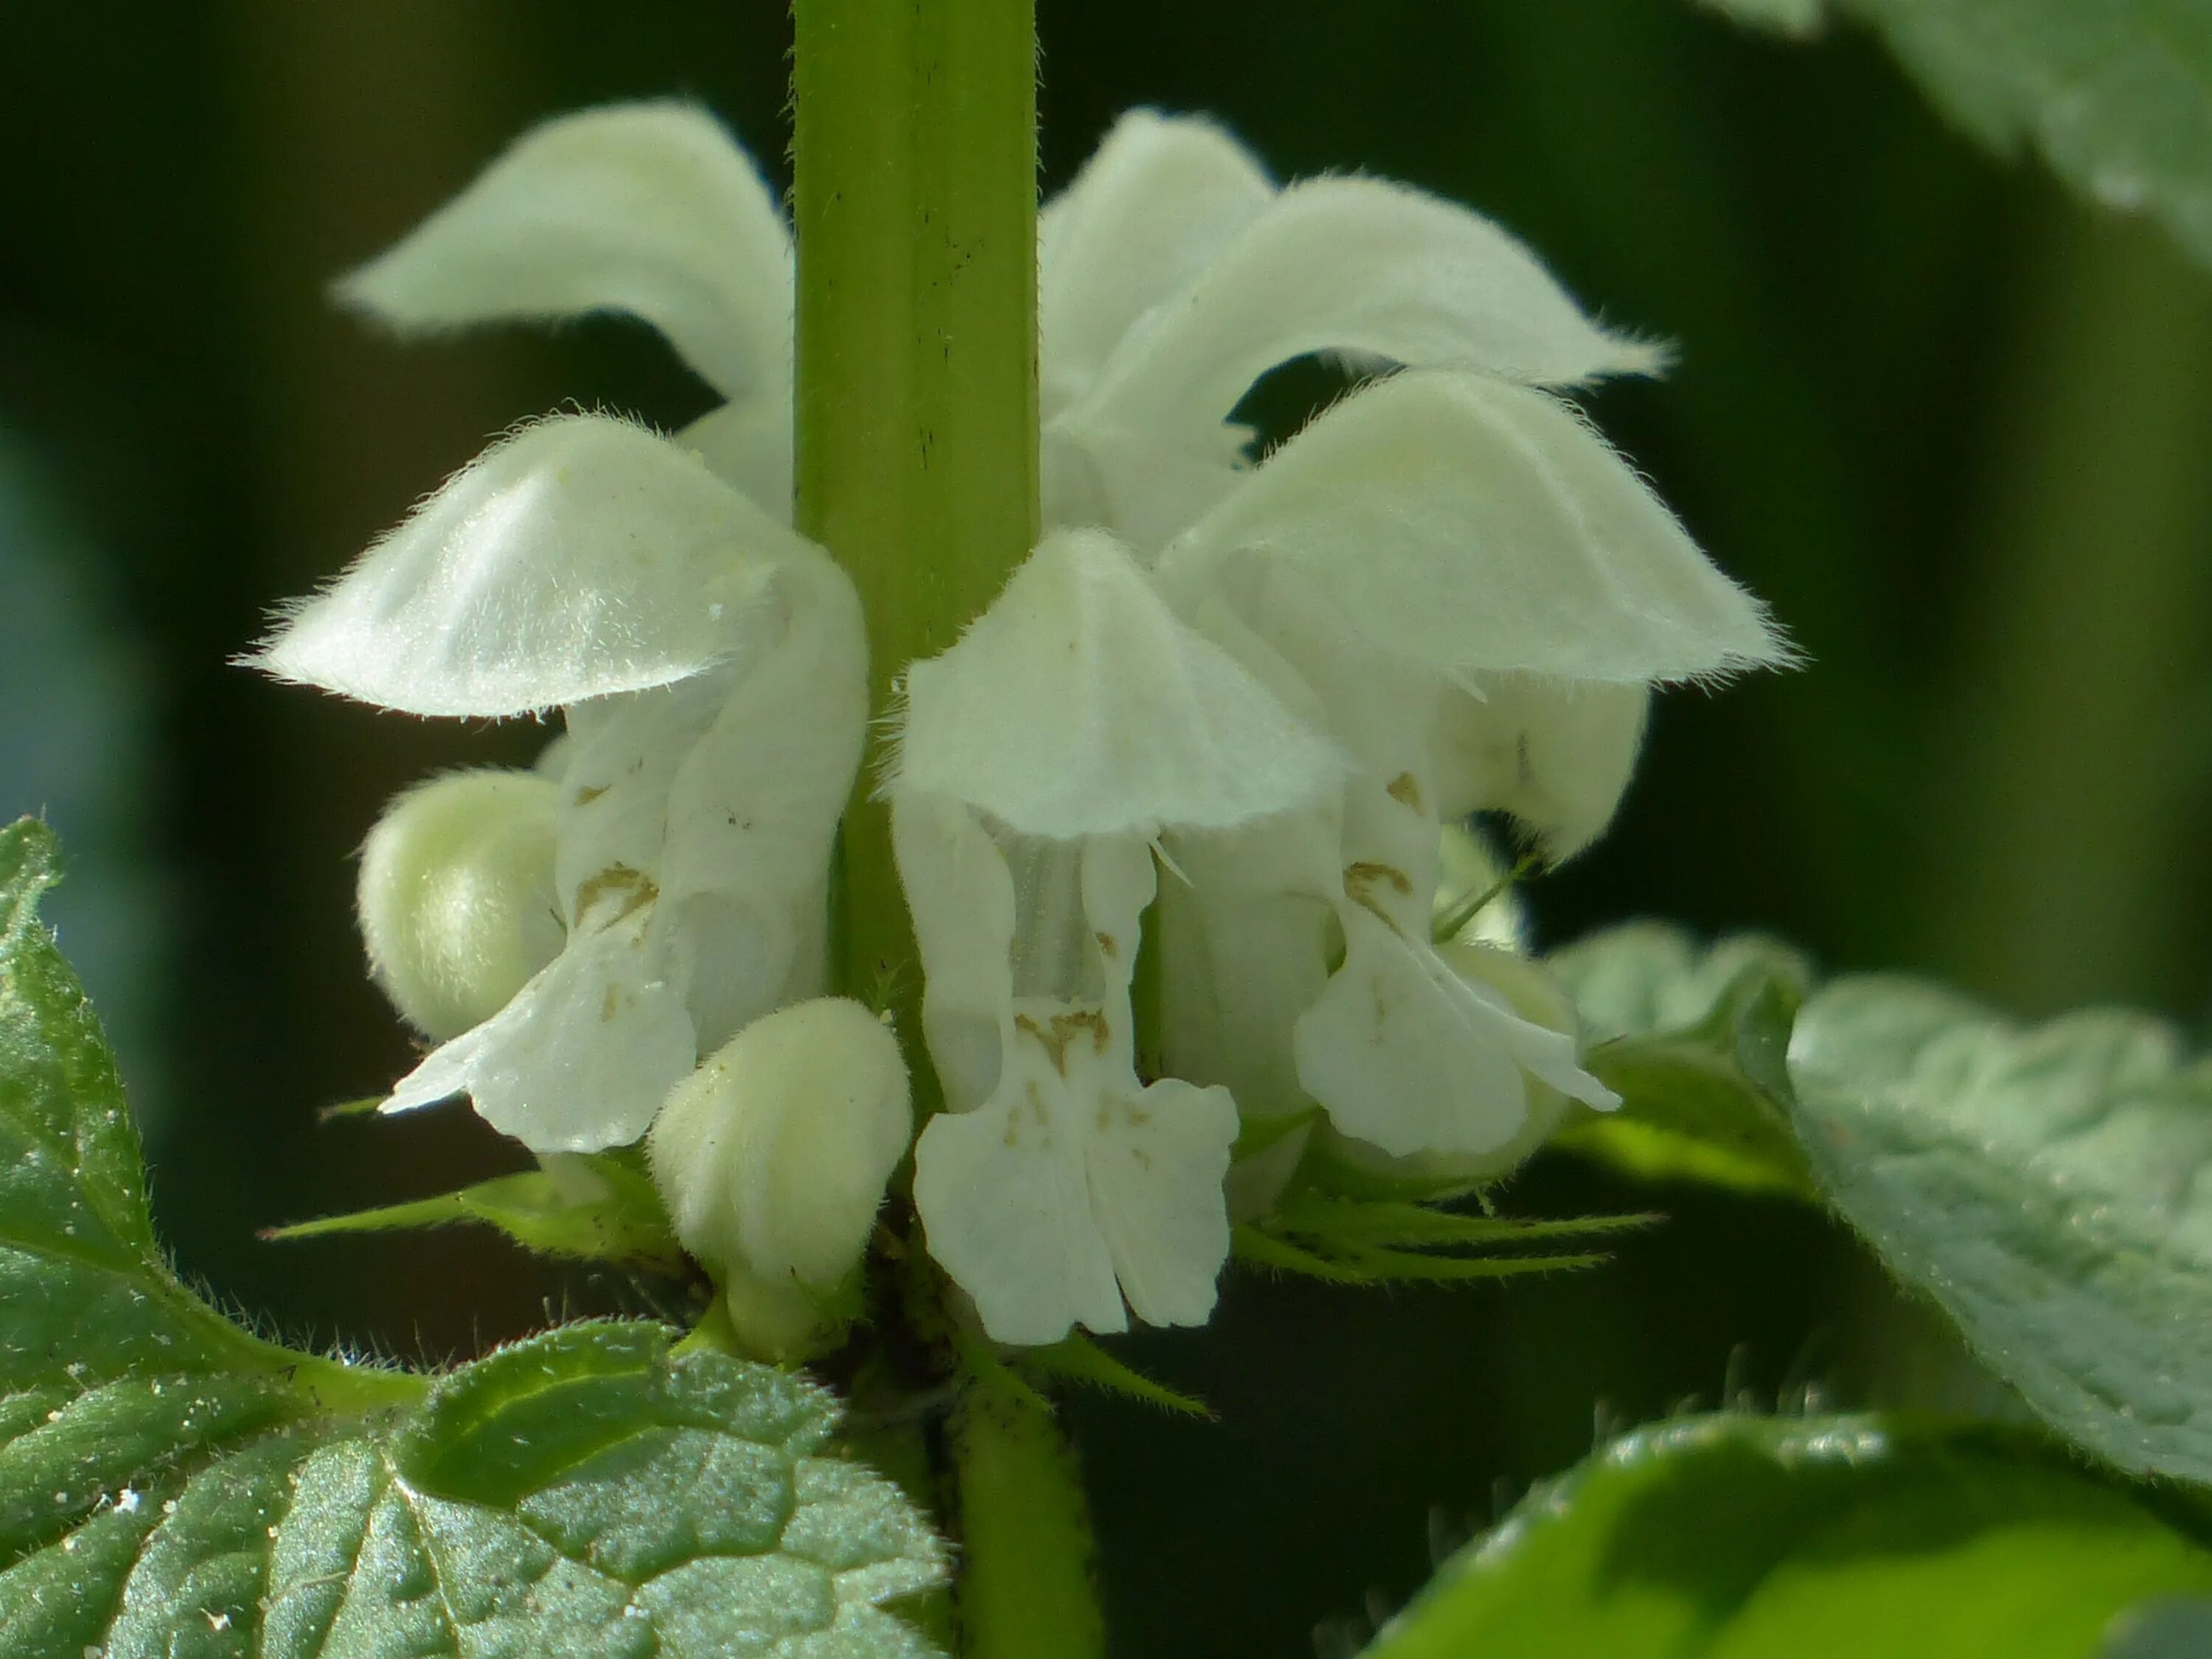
915,201
1025,1589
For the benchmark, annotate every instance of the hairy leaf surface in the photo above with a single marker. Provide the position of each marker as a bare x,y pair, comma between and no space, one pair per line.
171,1486
2047,1185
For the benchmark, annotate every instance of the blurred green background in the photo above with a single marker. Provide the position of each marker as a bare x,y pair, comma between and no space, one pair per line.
1954,427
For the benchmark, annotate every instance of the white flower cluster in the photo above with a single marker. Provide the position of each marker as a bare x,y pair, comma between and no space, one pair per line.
1246,697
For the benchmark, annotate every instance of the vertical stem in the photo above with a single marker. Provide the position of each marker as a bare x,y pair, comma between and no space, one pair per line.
915,159
1025,1590
914,201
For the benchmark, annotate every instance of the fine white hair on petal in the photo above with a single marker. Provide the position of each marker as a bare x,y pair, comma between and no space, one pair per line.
1468,526
1078,704
583,557
1359,266
1158,197
582,1058
649,208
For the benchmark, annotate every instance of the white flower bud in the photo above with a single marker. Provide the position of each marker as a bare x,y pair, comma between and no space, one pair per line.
774,1155
456,897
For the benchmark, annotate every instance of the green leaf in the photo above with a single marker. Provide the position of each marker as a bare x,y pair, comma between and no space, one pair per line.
1077,1358
1376,1240
171,1486
591,1208
82,1281
585,1493
1738,1537
2045,1185
1695,1041
2116,95
1351,1223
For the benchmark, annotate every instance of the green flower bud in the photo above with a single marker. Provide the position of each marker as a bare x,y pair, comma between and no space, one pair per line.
457,902
773,1158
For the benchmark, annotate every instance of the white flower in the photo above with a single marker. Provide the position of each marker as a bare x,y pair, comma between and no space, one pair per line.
1524,986
1276,682
1042,755
1095,707
1472,594
1454,579
644,209
712,667
1171,274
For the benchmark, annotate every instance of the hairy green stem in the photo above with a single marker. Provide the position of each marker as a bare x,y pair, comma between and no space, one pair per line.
334,1386
915,204
1025,1589
914,201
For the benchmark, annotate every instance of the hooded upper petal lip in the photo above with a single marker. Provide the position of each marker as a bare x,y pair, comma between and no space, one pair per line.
581,557
647,209
1472,526
1079,704
1359,266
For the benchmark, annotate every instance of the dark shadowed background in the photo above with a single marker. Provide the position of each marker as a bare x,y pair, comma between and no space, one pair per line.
1953,427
